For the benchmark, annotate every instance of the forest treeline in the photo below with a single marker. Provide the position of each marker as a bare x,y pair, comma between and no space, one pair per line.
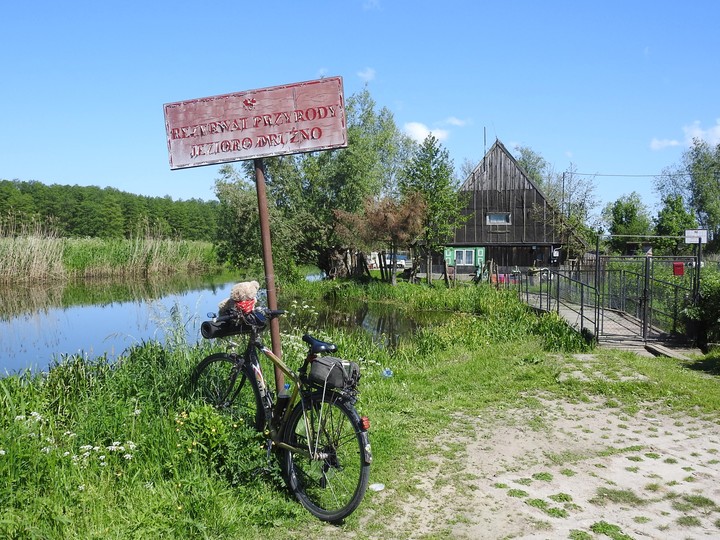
90,211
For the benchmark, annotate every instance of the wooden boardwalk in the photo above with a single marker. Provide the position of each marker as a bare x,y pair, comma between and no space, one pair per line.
617,330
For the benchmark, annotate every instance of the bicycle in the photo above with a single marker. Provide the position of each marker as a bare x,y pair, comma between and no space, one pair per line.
318,436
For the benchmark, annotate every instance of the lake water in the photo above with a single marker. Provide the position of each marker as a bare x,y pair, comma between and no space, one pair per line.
43,329
39,325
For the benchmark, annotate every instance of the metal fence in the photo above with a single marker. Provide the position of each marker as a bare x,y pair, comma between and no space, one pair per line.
634,297
571,294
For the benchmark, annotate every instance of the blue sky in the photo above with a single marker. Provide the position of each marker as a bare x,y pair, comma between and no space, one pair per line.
616,88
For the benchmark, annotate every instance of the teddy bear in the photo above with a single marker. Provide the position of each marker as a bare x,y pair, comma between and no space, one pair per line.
242,297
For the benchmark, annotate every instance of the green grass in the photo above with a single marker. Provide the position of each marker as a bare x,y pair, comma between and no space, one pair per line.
95,449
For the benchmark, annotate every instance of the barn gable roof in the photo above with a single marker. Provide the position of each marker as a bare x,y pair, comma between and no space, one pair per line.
499,184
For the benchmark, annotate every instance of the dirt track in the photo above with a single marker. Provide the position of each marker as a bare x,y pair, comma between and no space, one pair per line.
568,470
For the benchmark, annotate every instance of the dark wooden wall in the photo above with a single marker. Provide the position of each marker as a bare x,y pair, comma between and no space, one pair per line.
498,184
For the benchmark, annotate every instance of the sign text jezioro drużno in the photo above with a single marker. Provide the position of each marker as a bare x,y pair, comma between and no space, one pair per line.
274,121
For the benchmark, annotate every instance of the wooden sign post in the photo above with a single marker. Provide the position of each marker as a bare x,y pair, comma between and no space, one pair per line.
275,121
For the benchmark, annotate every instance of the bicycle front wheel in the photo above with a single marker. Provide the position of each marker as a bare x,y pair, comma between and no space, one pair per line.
227,384
329,470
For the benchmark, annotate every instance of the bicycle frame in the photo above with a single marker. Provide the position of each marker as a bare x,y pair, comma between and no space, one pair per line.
274,424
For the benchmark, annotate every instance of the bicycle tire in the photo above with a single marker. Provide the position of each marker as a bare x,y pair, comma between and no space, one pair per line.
230,386
332,486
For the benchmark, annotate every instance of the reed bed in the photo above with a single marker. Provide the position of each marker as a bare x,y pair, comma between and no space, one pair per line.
29,252
35,254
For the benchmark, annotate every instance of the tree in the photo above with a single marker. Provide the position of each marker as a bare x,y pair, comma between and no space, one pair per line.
238,233
697,181
385,221
308,189
673,219
533,164
625,218
430,173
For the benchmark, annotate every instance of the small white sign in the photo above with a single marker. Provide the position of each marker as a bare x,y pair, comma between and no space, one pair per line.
693,235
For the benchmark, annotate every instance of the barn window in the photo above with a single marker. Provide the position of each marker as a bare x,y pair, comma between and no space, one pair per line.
464,257
497,218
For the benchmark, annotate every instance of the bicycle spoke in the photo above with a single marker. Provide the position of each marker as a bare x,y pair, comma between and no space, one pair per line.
222,382
330,481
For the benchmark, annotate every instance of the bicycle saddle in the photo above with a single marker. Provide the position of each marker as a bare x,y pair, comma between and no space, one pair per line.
317,346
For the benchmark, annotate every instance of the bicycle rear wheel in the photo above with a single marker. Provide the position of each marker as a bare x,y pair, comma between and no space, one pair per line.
329,472
223,381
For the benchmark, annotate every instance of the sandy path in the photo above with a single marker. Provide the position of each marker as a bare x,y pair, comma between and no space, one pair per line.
568,470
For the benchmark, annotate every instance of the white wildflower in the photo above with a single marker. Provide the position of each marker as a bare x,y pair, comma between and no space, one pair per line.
103,463
137,412
2,452
131,445
46,449
70,434
128,456
66,454
86,447
86,455
102,458
96,448
20,418
36,416
81,487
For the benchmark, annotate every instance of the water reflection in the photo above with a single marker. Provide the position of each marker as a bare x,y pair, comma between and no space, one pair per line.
42,323
386,324
39,324
17,301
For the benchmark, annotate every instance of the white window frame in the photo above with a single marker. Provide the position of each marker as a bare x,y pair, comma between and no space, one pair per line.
463,255
498,218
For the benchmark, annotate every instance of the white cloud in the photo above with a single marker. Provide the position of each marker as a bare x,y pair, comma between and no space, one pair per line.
453,121
710,135
418,132
367,74
661,144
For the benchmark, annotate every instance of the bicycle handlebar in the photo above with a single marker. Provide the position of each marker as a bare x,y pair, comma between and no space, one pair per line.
237,322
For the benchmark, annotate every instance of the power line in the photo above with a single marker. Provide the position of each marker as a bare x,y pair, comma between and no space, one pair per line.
665,175
631,175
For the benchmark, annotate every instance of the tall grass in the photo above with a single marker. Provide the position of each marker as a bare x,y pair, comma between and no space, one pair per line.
94,449
94,257
32,253
29,252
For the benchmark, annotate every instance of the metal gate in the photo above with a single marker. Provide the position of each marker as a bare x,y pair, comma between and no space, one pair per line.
646,295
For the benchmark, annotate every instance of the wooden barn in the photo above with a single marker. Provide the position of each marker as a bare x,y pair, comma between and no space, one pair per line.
511,222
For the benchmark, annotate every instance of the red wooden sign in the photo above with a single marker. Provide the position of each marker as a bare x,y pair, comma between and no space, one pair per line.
290,119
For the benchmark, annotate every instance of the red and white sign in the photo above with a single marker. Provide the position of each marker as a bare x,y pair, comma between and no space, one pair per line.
290,119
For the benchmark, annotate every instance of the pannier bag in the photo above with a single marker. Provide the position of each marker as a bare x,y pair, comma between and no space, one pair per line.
334,372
